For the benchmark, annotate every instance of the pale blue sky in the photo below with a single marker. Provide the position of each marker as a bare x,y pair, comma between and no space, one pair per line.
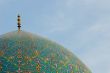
82,26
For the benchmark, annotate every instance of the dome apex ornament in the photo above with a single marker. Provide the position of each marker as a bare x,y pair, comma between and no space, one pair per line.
19,22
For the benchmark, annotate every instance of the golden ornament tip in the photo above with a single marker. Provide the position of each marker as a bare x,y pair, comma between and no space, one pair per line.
19,22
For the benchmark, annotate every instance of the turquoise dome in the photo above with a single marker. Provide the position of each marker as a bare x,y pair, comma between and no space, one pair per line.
23,52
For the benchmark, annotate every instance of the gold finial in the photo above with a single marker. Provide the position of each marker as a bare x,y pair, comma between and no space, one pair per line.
19,22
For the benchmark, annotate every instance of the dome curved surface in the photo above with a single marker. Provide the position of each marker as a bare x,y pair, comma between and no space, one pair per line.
23,52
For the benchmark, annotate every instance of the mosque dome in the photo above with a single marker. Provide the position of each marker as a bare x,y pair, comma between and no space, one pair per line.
23,52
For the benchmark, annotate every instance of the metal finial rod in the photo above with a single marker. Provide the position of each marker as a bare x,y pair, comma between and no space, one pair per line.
19,22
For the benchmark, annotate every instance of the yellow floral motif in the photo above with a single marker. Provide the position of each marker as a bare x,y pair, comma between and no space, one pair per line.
38,67
11,57
27,58
37,53
46,59
72,72
1,53
0,68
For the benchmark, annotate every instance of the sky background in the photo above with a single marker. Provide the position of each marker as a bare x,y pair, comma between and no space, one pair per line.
82,26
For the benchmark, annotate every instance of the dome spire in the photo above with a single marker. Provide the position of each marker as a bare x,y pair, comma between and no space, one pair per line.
19,22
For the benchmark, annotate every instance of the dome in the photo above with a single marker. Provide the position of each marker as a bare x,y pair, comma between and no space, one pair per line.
23,52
